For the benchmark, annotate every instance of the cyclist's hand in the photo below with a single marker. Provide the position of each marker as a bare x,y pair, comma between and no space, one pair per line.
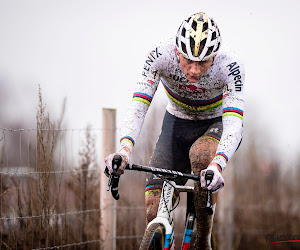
125,160
217,182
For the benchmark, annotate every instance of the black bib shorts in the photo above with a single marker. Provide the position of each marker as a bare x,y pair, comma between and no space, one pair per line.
173,145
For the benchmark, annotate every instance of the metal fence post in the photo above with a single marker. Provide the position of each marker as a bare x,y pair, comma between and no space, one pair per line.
107,203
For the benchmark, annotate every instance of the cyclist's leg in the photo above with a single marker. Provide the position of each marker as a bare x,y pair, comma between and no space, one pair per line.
152,197
164,156
171,152
201,154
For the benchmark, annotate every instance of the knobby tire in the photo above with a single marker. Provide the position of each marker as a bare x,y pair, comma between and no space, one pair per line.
154,238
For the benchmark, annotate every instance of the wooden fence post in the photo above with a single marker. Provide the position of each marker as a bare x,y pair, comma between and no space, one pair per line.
107,203
225,207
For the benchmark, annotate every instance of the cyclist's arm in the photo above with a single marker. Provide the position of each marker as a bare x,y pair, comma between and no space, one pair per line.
232,116
141,100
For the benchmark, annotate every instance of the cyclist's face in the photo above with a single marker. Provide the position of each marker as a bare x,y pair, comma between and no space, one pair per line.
193,70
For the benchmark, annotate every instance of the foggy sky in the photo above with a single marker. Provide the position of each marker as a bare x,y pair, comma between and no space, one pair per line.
92,53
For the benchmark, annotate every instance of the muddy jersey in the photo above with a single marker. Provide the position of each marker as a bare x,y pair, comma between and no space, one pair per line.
218,93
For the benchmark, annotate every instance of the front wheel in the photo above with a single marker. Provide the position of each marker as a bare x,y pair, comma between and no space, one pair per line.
154,238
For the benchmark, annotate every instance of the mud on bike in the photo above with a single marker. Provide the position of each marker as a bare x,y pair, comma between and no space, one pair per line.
159,233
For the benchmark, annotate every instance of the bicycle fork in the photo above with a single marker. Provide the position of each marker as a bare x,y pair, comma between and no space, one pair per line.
165,214
190,219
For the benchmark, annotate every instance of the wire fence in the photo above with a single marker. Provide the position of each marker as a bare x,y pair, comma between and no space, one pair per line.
50,196
49,189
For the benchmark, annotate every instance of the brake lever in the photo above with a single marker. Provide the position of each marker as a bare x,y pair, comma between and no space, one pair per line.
109,178
208,178
109,182
113,180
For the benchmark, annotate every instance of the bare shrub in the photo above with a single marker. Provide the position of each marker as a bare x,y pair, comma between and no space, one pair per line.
36,206
85,184
265,201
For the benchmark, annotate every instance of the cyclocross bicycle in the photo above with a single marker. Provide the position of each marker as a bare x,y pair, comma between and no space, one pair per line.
159,234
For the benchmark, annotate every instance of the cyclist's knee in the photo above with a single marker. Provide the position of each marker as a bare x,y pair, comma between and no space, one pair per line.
152,197
201,153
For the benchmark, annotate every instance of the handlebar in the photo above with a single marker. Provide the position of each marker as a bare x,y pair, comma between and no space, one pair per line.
166,172
113,180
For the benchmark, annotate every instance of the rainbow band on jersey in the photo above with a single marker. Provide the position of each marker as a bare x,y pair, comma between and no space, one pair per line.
231,111
142,97
223,156
211,137
194,105
128,139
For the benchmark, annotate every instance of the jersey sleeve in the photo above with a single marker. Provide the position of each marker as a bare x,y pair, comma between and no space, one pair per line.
141,100
232,113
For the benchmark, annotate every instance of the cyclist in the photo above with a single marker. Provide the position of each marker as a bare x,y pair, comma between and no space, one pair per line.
203,126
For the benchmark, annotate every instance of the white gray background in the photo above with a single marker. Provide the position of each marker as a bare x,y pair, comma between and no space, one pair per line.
92,53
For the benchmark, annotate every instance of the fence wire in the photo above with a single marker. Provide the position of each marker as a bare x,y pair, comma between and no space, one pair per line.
50,196
50,192
49,189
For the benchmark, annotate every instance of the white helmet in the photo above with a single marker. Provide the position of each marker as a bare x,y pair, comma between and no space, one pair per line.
198,38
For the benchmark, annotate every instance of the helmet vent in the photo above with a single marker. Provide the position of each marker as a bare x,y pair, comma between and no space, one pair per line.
192,44
203,42
183,32
210,49
183,48
194,25
213,36
205,27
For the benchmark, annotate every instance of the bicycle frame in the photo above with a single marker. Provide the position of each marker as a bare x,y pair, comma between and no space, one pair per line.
165,210
165,215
